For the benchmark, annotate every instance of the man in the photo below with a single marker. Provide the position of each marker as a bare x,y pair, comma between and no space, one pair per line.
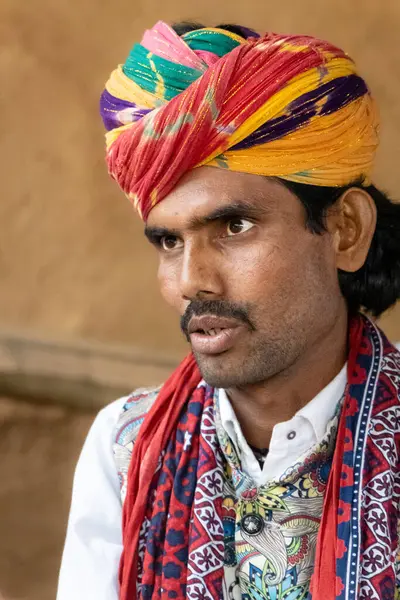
267,466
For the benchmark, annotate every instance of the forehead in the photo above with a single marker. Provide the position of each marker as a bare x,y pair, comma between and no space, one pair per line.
205,189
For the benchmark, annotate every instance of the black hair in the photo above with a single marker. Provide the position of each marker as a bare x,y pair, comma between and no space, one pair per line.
376,286
186,26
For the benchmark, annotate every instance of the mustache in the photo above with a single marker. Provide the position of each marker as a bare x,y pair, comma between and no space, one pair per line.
216,308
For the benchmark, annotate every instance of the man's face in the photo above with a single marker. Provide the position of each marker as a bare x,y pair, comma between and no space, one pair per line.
254,287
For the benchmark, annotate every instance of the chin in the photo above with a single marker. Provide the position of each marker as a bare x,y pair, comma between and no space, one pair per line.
216,381
219,371
239,368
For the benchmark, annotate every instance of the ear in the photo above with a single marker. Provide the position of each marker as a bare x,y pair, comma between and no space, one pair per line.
352,223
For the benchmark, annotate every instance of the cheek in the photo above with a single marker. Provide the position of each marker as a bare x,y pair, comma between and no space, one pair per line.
277,274
260,271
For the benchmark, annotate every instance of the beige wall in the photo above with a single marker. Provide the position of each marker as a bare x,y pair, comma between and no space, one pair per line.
73,261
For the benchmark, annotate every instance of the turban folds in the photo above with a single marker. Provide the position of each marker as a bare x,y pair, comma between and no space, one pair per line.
292,107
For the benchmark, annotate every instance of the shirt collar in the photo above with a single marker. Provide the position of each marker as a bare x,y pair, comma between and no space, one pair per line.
321,409
318,412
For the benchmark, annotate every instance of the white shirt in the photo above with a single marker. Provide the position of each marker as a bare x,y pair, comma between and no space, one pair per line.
94,543
290,439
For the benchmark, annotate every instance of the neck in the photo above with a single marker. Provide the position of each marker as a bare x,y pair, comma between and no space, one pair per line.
261,406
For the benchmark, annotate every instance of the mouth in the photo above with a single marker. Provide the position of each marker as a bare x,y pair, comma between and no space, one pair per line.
213,335
211,332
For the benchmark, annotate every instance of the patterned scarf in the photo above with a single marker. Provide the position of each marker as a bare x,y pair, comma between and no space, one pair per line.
283,106
172,527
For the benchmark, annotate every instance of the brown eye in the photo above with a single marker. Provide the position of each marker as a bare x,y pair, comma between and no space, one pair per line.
169,242
236,226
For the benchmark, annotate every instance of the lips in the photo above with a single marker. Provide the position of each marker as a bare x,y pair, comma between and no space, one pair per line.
213,335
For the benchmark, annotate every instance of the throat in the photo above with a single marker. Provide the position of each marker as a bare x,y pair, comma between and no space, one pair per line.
260,408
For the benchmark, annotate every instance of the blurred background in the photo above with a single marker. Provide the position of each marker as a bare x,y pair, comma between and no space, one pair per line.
81,318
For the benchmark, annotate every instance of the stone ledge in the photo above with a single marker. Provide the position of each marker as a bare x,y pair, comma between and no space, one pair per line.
87,375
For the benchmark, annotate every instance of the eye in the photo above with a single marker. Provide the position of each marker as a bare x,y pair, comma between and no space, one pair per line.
238,225
170,242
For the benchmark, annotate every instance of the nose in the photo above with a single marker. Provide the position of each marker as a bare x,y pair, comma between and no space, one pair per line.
200,275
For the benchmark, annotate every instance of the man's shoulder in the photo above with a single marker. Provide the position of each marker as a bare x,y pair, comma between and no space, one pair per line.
132,411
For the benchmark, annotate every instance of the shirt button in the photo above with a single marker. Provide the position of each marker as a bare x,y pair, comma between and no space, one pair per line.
291,435
252,524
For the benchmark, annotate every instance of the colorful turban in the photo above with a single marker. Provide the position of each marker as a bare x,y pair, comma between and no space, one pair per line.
284,106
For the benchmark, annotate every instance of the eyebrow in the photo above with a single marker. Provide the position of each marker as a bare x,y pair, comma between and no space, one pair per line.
242,209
